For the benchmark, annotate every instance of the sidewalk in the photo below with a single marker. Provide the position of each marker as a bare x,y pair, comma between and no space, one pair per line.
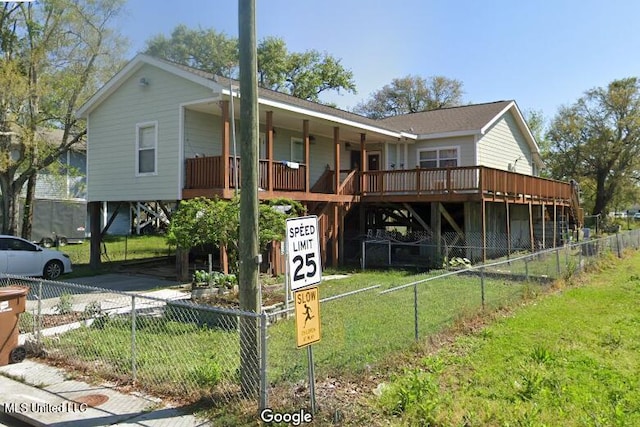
42,395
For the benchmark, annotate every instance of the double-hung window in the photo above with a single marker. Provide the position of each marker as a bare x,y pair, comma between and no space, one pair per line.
438,157
147,148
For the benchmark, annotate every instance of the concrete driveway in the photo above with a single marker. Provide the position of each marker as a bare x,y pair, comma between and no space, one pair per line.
123,282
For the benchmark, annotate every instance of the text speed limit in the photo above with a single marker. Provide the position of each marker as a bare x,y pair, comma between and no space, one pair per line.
303,252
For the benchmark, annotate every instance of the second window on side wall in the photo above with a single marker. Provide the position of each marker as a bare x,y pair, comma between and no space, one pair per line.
438,158
146,148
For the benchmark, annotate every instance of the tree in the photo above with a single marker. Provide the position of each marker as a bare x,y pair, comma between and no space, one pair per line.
204,49
597,141
53,56
301,74
202,221
412,94
537,125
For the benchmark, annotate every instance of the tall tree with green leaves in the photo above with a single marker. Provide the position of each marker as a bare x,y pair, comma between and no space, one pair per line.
302,74
537,124
53,56
597,142
412,94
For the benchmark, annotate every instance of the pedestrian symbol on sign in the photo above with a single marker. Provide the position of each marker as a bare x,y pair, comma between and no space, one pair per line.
307,313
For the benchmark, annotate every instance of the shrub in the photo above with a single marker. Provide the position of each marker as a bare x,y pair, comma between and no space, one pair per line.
93,309
25,322
65,304
416,395
207,374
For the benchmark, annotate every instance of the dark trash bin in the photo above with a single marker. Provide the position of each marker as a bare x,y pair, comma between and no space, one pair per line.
12,302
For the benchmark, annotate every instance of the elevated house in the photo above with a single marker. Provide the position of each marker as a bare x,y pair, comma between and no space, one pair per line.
159,132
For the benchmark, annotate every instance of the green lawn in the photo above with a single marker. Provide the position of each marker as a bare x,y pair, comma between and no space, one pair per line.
570,359
357,332
115,250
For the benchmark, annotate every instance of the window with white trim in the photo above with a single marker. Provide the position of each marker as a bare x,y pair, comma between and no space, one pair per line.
439,157
297,150
146,148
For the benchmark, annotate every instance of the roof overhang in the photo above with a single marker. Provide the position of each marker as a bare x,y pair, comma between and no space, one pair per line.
454,134
294,112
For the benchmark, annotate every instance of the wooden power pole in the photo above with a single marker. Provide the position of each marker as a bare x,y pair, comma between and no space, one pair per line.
249,247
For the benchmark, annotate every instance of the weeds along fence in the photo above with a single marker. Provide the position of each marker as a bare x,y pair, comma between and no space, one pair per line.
168,347
377,318
173,348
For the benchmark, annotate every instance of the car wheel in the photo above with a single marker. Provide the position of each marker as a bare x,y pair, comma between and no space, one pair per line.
63,241
46,242
52,270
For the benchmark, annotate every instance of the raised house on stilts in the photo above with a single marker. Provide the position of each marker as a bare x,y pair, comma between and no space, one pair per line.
458,181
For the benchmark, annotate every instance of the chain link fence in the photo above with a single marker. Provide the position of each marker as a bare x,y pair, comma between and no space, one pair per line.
392,249
167,347
364,327
171,347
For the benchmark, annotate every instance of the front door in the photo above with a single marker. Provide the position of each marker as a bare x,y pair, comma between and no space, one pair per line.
373,161
373,165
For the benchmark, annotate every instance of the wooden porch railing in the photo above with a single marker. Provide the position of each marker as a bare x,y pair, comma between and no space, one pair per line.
470,179
206,172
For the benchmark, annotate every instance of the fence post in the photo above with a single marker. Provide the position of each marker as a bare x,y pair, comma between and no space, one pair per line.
580,256
364,249
558,261
618,245
482,285
415,311
133,337
39,321
263,361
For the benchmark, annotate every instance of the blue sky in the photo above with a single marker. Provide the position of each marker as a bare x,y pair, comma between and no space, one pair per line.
543,54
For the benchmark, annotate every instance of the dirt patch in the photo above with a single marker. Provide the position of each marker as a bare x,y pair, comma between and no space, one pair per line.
164,268
52,320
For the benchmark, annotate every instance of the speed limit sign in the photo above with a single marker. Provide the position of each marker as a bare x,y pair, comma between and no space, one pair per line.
303,252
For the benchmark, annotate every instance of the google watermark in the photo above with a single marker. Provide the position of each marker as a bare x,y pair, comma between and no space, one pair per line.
298,418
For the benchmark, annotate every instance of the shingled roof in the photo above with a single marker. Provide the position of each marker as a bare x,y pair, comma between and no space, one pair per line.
467,118
273,95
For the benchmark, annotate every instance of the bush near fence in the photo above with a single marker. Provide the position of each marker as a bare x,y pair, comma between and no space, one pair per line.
185,351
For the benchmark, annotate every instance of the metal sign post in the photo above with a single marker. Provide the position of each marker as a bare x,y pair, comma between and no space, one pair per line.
303,270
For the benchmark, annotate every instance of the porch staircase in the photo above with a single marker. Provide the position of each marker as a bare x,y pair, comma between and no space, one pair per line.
576,213
327,227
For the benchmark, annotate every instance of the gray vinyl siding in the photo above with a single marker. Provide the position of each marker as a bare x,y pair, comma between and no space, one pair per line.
65,179
202,134
320,154
502,144
465,146
112,137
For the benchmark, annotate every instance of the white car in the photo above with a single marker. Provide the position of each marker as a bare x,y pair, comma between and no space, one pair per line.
23,258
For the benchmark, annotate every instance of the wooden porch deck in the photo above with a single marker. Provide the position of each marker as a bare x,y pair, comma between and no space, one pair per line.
205,174
472,182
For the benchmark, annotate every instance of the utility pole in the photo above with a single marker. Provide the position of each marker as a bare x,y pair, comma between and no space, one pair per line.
249,248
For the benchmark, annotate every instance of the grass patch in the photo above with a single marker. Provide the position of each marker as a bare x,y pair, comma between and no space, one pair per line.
121,248
184,360
361,330
569,359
